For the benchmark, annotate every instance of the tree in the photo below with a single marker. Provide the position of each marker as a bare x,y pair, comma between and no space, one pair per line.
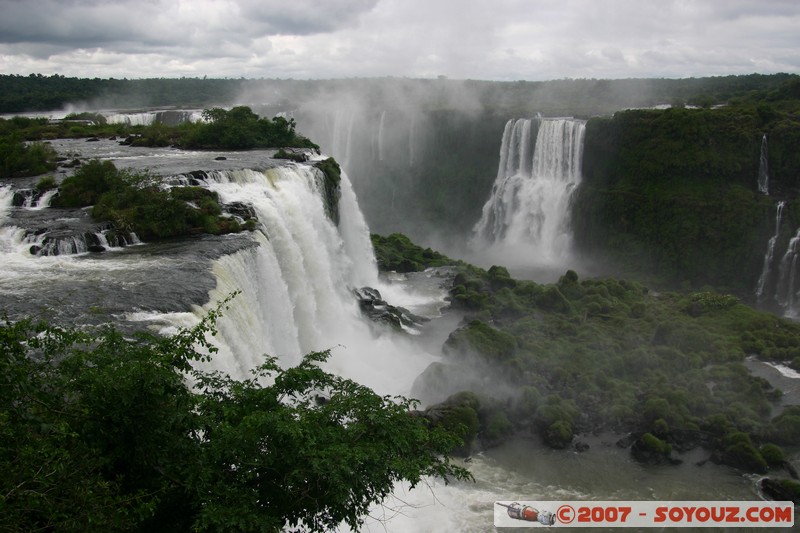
100,431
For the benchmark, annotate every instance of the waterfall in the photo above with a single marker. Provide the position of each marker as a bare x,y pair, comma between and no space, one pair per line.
131,119
528,210
763,168
296,283
766,270
786,291
380,135
412,135
340,133
6,199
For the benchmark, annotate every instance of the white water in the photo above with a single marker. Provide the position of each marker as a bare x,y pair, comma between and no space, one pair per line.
763,168
766,269
296,284
6,197
149,117
526,219
131,119
786,292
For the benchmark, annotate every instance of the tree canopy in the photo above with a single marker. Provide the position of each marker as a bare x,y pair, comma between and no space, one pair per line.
99,431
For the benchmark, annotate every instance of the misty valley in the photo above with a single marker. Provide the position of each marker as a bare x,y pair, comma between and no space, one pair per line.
220,295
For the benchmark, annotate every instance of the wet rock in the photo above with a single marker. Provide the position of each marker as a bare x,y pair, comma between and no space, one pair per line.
781,489
377,309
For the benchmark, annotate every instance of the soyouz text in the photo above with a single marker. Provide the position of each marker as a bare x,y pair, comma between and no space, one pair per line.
643,514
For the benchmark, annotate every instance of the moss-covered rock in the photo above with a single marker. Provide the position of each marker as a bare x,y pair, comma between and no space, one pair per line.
650,449
781,489
397,253
331,178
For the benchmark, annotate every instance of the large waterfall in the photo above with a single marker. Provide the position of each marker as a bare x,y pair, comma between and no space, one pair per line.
527,215
296,283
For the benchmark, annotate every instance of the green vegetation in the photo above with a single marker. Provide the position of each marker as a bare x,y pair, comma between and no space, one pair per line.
396,252
236,129
627,359
18,158
583,355
102,432
674,194
136,202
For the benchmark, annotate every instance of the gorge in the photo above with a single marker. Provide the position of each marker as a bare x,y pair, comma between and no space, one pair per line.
411,172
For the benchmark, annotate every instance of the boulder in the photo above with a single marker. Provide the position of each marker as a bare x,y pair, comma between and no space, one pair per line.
377,309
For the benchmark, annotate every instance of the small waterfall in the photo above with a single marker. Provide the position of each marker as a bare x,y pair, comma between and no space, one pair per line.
341,135
528,210
412,137
132,119
763,168
766,270
380,135
6,201
786,292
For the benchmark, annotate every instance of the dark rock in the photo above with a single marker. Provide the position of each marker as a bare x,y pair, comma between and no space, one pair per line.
378,310
581,446
790,469
112,138
626,441
220,158
781,489
240,209
96,248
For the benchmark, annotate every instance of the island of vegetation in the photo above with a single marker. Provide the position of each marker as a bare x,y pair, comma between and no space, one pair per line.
665,371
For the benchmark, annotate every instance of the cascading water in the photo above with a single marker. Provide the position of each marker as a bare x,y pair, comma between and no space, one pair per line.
786,292
766,270
295,273
6,198
380,135
763,168
528,210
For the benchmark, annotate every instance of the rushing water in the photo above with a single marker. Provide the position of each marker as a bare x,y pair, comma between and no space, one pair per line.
295,274
763,167
526,219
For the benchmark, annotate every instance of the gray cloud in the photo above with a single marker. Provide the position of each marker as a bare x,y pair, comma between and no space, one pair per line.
504,39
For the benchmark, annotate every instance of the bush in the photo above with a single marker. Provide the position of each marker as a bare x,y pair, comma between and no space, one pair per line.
104,432
88,184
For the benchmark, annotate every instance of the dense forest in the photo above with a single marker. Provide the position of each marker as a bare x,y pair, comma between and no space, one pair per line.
36,92
674,192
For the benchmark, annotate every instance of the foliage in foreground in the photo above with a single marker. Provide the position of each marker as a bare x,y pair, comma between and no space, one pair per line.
102,432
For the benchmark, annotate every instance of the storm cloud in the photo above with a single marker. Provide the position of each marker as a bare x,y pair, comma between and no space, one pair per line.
503,39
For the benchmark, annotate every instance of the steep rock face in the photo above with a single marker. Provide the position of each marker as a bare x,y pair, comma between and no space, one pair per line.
675,193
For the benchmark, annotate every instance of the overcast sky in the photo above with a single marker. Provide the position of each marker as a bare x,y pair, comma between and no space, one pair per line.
476,39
